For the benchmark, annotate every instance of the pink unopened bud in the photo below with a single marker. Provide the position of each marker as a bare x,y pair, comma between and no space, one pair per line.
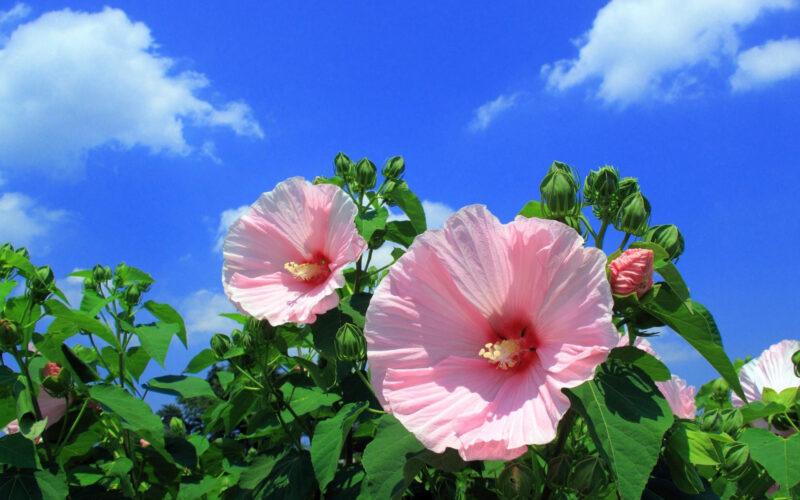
144,443
632,272
51,370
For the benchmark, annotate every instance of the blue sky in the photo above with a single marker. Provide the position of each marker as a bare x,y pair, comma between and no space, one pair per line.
134,131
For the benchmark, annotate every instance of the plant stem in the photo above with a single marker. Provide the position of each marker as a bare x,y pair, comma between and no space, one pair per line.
566,429
624,241
601,234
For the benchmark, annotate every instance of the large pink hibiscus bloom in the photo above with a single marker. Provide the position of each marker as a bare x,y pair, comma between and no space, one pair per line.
284,259
477,328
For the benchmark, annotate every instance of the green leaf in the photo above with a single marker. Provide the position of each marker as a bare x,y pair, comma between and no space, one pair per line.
134,411
131,274
18,451
75,321
20,262
155,339
237,317
181,385
258,470
780,456
371,221
52,486
84,372
92,302
201,361
290,478
355,306
411,205
336,181
627,417
307,399
653,367
81,442
136,360
182,451
19,485
397,253
401,232
698,328
385,459
167,314
757,409
225,379
533,209
324,330
194,490
7,376
346,484
329,435
673,279
5,288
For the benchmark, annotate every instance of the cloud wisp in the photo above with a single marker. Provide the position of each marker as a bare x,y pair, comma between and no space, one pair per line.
488,112
73,81
201,311
25,222
766,64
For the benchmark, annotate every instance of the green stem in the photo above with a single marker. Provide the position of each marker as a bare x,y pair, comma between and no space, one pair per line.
72,427
624,241
598,241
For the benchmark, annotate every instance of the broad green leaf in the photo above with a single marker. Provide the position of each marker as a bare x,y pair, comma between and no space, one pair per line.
30,427
385,459
259,469
194,490
134,411
323,374
5,289
81,273
371,221
155,339
411,205
397,253
52,486
136,360
167,314
199,442
181,385
7,376
118,467
130,274
307,399
182,451
20,262
780,456
673,279
533,209
201,361
355,306
627,417
336,181
83,371
8,412
19,485
346,484
291,478
18,451
324,332
225,379
329,435
653,367
401,232
693,445
698,328
75,321
92,302
237,317
757,409
81,442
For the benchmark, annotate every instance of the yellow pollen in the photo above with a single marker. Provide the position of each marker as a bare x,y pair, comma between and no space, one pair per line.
505,353
307,271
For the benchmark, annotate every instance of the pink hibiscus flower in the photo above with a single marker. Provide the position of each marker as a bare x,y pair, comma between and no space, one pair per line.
52,408
477,328
285,258
678,394
632,272
773,369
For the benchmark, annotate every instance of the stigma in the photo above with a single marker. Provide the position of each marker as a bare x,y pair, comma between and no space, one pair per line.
505,354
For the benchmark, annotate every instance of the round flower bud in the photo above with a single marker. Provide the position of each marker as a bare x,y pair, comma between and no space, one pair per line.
588,187
350,343
720,389
627,186
588,475
132,295
667,237
45,275
558,469
559,191
735,460
89,283
377,239
119,281
220,344
796,361
516,481
41,285
732,421
177,426
9,333
366,173
394,168
712,421
261,329
345,168
634,214
99,273
387,191
606,183
632,272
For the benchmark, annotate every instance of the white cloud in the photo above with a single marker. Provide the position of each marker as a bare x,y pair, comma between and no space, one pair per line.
73,81
72,286
647,48
209,150
435,215
19,11
673,349
201,312
226,218
486,113
768,63
24,221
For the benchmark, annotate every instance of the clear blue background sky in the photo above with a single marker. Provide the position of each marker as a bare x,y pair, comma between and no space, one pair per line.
134,133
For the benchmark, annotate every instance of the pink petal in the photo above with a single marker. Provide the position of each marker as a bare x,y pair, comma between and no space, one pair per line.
679,396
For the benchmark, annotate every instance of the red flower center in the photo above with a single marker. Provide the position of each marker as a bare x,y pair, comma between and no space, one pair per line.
312,271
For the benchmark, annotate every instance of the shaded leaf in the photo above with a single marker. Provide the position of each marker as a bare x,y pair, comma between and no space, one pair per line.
329,435
649,364
371,221
401,232
385,458
780,456
18,451
155,339
186,386
411,205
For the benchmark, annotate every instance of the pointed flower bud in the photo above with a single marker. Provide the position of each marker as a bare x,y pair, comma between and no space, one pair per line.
712,421
588,475
632,272
516,481
89,283
9,333
350,343
220,344
667,237
559,190
394,168
177,426
558,471
732,421
99,274
132,295
634,214
735,460
366,173
345,168
627,186
720,389
606,184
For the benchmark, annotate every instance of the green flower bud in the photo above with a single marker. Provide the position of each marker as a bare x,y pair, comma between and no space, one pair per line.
41,284
45,275
588,475
667,237
390,185
99,274
588,188
350,343
6,246
559,190
516,481
119,281
89,284
261,329
220,344
735,460
627,186
394,168
177,426
712,421
23,252
732,421
796,361
132,295
558,469
720,389
377,239
242,339
606,183
345,168
9,333
366,173
634,215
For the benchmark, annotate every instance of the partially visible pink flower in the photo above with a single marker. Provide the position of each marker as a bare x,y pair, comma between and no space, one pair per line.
773,369
52,408
632,272
675,390
143,443
285,258
477,328
51,370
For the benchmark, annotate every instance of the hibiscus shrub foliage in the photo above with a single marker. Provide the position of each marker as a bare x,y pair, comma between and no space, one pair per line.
376,358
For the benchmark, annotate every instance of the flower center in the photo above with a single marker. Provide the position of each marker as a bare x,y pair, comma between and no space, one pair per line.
505,354
308,271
